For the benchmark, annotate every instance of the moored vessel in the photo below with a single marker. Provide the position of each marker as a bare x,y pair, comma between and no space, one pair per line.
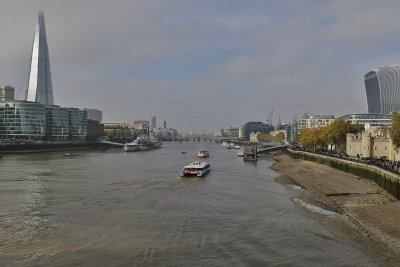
142,143
198,169
250,154
203,154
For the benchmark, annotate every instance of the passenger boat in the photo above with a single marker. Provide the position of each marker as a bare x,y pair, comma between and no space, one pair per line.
142,143
250,154
203,154
198,169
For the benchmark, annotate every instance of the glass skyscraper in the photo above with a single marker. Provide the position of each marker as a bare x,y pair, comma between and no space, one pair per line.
382,86
40,88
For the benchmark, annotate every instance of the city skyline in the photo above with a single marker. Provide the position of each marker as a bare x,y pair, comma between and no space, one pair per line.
205,65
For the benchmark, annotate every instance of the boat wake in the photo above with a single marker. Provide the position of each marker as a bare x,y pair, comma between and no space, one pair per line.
314,209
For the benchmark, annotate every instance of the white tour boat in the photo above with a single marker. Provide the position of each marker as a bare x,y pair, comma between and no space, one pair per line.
203,154
198,169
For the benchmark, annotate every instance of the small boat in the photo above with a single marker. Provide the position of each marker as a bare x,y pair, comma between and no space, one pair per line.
183,152
240,153
230,146
198,169
237,147
70,155
203,154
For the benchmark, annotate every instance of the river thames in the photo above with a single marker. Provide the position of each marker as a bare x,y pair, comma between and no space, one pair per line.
111,208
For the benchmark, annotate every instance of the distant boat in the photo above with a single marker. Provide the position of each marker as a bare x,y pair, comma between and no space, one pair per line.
70,155
198,169
250,154
203,154
240,153
230,146
183,152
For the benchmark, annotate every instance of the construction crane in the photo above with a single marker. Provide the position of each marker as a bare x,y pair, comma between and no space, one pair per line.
279,122
269,118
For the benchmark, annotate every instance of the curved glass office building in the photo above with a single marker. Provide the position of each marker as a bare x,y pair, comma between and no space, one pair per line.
382,86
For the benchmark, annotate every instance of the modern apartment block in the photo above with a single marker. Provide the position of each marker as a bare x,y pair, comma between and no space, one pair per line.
382,87
313,121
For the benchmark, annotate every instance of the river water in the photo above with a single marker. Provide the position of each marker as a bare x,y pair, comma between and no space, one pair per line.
111,208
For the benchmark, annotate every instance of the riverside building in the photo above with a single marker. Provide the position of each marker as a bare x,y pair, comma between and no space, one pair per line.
256,127
94,114
314,121
369,120
382,86
26,120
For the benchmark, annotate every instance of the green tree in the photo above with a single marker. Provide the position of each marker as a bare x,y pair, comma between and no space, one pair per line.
395,131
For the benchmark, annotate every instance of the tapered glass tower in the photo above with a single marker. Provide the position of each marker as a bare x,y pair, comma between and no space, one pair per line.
40,88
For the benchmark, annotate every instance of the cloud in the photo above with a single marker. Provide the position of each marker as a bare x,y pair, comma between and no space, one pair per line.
203,65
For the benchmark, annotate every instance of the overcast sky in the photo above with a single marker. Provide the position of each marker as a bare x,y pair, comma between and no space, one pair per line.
206,64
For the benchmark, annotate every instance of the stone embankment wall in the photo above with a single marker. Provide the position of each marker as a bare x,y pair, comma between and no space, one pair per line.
385,179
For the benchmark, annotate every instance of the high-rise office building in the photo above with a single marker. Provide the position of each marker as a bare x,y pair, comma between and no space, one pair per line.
40,88
7,93
382,86
153,122
94,114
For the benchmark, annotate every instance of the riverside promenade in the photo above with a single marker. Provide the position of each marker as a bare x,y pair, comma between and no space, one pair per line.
365,212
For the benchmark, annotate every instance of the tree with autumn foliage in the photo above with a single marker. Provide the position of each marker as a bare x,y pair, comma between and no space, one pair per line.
279,137
333,134
337,130
395,131
313,138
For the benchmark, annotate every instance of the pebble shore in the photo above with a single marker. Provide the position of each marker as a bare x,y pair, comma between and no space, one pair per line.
366,213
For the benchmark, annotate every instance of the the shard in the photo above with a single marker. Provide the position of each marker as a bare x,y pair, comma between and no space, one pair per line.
40,88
